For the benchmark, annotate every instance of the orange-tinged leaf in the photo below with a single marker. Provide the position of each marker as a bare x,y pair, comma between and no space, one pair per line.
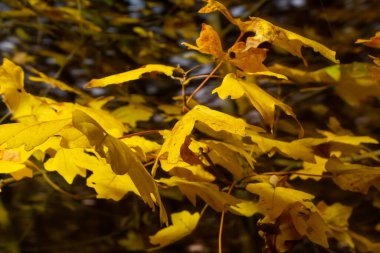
263,102
207,191
30,135
208,42
131,75
287,40
353,177
249,60
183,224
372,42
213,5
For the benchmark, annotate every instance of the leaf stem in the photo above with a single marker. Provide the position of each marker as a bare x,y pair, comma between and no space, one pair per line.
204,82
154,131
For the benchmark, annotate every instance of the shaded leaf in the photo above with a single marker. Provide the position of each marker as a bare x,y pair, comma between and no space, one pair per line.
353,177
207,191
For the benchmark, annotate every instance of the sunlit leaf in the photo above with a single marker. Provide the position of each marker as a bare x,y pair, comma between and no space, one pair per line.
71,162
30,135
121,158
235,88
131,75
183,224
215,120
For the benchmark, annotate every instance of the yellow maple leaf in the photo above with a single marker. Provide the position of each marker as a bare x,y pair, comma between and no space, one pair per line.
336,217
71,162
354,82
215,120
121,158
133,113
277,201
188,171
353,177
207,191
183,224
263,102
294,149
30,135
287,40
131,75
109,185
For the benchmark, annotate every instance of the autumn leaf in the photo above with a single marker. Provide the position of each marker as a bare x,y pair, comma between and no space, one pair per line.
336,217
353,177
354,82
183,224
215,120
294,149
291,42
213,5
263,102
71,162
372,42
276,201
109,185
30,135
208,42
121,158
188,171
131,75
207,191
